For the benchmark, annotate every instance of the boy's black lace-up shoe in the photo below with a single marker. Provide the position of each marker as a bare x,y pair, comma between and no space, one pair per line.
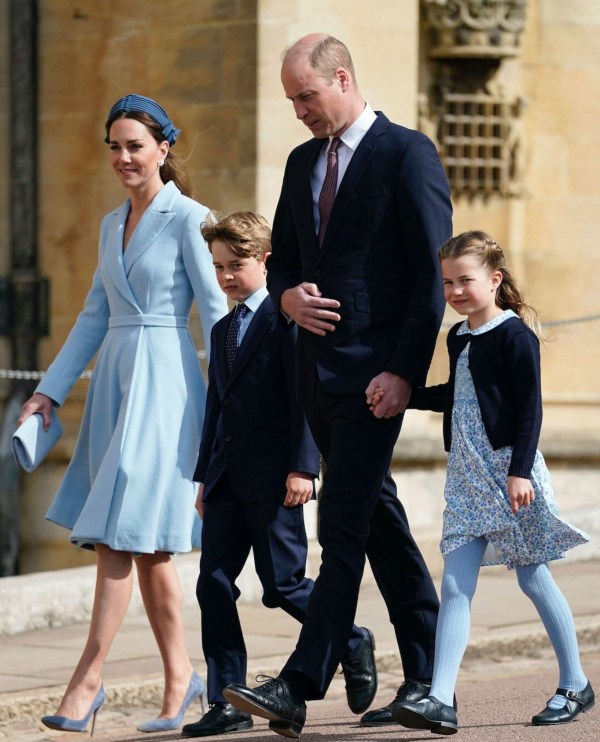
272,700
221,718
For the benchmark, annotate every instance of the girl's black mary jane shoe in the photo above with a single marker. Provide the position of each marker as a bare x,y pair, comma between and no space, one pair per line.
577,703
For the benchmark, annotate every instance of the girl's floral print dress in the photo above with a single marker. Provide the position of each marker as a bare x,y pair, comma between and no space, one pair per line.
476,495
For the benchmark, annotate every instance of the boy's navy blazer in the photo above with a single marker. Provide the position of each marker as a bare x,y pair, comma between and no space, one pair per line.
254,427
379,258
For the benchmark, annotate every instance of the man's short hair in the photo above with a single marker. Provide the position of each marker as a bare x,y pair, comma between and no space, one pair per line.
325,56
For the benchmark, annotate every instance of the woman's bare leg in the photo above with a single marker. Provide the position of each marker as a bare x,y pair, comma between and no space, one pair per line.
114,579
163,599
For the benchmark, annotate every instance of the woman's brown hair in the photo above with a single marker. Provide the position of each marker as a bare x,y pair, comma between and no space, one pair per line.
172,169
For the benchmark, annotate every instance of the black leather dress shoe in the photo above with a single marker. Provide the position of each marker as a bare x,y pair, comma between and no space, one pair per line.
272,700
577,703
360,672
221,718
427,714
410,690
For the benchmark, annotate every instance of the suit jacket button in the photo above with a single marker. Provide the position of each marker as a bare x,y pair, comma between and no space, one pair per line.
317,273
226,401
228,438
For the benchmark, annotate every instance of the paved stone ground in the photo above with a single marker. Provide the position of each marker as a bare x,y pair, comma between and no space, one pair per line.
508,673
496,701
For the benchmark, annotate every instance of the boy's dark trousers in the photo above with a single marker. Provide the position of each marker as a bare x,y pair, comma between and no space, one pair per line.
277,538
255,434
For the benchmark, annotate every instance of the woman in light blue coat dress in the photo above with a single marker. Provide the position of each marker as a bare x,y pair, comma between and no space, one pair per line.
128,491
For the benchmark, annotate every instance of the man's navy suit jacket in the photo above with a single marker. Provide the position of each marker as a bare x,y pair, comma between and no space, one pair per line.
379,258
254,427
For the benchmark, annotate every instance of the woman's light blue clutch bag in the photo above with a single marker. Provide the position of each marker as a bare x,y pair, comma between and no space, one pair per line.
31,443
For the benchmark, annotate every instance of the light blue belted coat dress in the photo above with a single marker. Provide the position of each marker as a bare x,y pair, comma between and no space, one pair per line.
129,484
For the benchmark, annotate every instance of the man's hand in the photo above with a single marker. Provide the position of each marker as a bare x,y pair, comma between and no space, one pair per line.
299,489
520,493
37,403
199,503
305,305
388,394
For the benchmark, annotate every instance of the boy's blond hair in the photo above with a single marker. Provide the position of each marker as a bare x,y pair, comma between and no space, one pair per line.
246,233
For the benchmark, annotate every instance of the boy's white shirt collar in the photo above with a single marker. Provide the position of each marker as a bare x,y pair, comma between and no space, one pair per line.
254,301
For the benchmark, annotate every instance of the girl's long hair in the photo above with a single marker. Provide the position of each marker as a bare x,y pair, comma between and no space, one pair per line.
485,247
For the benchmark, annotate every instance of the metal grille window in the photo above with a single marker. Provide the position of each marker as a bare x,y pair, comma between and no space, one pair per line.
475,137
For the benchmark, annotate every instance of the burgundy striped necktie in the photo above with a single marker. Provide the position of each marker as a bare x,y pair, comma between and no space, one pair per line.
329,188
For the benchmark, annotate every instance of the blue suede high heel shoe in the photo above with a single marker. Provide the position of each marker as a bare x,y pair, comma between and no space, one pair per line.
64,724
196,689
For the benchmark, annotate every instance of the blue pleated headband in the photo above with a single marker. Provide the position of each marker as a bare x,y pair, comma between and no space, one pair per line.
142,104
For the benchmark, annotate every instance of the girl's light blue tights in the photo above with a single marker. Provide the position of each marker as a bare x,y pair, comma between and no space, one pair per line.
461,570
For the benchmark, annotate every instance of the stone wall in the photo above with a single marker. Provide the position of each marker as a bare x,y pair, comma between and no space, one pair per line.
383,42
214,64
561,77
215,67
198,58
549,231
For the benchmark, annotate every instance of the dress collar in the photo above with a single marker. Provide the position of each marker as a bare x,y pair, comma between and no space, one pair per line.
464,329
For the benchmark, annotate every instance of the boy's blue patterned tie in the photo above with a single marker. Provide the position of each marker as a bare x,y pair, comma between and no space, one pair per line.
231,340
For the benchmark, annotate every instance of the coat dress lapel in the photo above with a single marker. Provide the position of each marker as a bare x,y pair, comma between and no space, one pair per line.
113,253
156,217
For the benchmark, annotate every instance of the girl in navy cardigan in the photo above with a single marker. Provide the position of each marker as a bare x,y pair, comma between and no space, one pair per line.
500,506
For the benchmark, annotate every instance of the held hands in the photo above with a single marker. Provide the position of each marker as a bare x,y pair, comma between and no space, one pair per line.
305,305
299,489
388,394
520,493
37,403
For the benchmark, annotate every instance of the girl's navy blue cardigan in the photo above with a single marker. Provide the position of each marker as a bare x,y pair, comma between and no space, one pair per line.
505,366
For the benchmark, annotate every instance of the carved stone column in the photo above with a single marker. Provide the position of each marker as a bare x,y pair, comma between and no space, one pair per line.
475,28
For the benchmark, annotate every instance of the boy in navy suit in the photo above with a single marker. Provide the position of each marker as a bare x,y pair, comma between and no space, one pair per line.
256,467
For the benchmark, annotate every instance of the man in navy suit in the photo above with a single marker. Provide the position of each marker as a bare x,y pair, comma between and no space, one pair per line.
256,466
354,264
